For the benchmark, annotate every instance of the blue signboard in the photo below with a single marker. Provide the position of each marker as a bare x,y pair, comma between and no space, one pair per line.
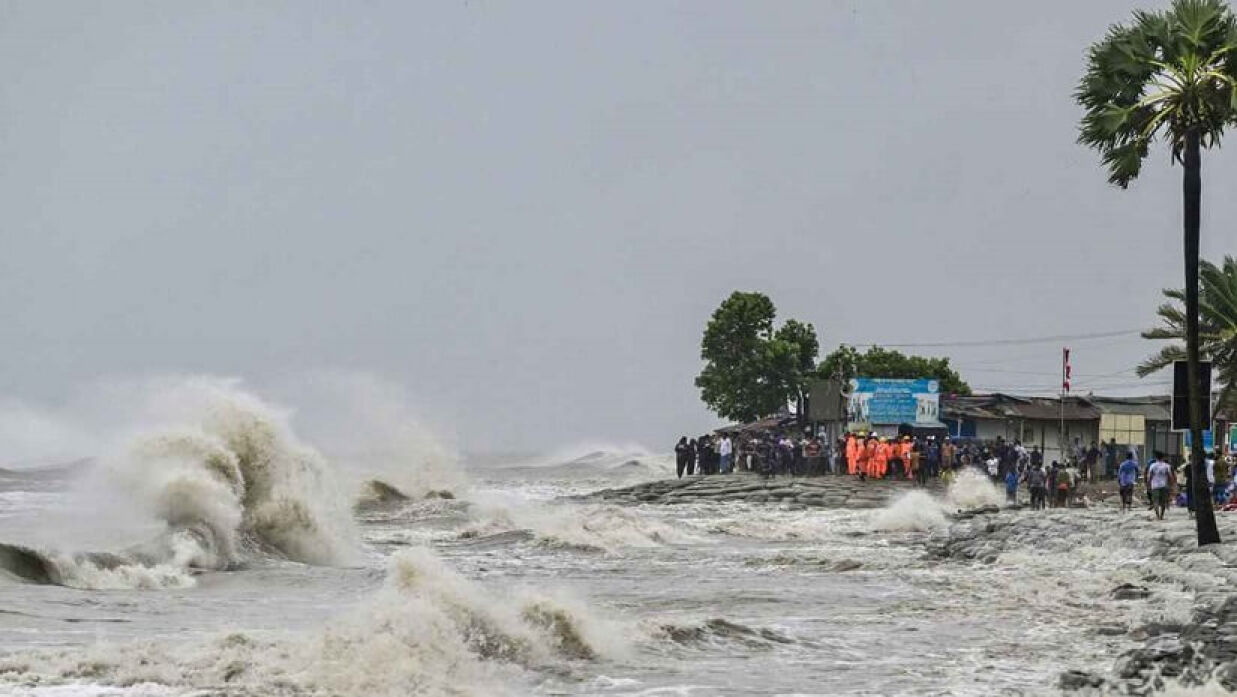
1209,441
890,401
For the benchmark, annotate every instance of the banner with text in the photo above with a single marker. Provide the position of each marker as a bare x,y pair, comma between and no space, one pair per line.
891,401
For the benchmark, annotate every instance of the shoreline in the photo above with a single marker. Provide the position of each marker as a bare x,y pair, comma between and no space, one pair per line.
823,491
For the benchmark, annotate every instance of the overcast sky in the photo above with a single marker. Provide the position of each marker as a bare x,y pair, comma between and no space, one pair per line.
523,213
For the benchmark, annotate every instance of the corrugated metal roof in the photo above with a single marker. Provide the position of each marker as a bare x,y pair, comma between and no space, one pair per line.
1007,406
1004,406
1151,408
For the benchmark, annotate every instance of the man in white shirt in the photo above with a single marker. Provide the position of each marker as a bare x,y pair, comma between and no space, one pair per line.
1160,479
726,451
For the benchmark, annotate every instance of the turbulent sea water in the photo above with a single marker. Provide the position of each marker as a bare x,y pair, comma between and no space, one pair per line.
219,554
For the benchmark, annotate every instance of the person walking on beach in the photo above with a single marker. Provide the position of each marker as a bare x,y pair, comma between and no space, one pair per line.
1127,474
1160,479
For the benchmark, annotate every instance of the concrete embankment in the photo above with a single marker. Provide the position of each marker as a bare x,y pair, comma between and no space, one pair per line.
826,491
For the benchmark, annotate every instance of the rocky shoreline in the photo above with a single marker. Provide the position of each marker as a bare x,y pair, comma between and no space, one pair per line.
822,491
1194,653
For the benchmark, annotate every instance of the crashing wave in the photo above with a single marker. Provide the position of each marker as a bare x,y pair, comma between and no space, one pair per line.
427,631
919,511
228,481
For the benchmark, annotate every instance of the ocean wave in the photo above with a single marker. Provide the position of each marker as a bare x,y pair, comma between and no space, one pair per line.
919,511
575,526
718,631
427,631
225,477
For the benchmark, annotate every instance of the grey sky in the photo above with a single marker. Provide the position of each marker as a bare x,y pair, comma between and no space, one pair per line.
524,212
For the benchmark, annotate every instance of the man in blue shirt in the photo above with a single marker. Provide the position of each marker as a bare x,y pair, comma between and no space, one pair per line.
1127,474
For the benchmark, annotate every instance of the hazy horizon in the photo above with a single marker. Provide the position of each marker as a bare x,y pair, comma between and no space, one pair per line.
519,217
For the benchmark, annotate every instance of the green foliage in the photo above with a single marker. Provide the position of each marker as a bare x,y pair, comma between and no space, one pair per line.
885,363
1217,326
1165,74
751,370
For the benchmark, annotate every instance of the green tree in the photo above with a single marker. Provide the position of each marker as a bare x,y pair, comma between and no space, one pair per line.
878,362
750,369
1169,75
1217,332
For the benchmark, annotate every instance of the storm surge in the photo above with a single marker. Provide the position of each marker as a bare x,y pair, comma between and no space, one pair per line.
920,511
223,476
426,631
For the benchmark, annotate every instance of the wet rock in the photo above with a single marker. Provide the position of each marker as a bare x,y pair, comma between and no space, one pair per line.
1077,680
1129,591
845,565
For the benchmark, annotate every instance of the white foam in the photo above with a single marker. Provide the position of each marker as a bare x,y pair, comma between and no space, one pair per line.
912,511
427,631
595,526
971,489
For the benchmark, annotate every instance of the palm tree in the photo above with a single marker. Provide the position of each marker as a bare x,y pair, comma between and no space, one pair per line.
1169,75
1217,332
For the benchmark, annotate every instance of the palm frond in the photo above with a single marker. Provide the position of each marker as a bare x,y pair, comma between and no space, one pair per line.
1160,360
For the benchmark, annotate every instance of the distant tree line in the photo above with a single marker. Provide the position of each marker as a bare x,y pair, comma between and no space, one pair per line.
754,368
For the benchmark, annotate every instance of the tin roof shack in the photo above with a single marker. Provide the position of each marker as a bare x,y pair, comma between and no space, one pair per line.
1036,421
1139,423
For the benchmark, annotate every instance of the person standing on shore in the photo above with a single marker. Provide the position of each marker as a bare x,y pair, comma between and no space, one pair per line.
1160,479
1011,486
707,453
811,455
1061,494
1220,486
865,457
1127,474
914,464
680,456
852,453
725,452
1037,482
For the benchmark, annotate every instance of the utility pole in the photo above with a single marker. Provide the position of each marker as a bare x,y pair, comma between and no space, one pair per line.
1065,375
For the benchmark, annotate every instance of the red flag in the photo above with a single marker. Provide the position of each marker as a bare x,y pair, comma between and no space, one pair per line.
1065,370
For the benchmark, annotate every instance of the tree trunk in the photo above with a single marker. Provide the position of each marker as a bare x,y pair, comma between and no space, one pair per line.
1192,188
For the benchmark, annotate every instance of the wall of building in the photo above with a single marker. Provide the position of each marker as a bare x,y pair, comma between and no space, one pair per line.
1041,432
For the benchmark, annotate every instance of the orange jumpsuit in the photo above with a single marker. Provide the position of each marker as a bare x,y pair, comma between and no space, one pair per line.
867,456
880,462
905,453
852,454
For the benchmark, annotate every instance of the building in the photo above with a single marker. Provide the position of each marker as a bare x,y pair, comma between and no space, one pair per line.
1139,423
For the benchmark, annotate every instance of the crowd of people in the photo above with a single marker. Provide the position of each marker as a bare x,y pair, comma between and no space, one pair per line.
1165,479
865,455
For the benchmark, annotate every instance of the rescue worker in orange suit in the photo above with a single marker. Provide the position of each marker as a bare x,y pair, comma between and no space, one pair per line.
880,461
906,456
866,457
852,453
